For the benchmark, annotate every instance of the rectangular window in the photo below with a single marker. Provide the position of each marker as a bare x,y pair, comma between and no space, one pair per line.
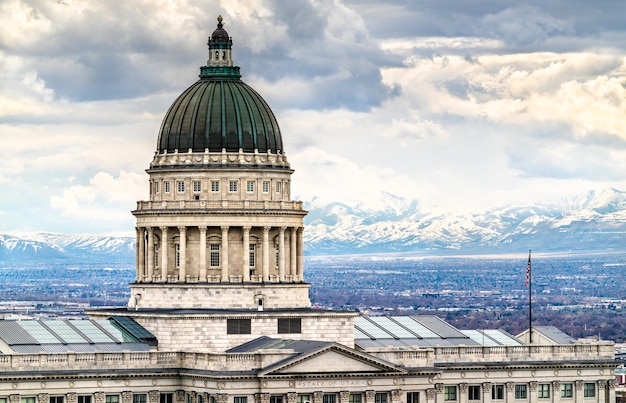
180,186
166,398
589,390
412,397
240,399
278,184
140,398
112,399
276,260
177,250
497,392
329,399
474,392
543,391
238,326
166,184
84,399
276,399
567,390
303,399
156,187
250,186
27,400
197,186
521,391
355,398
199,398
214,249
449,393
56,399
266,187
215,186
252,251
289,325
232,186
380,398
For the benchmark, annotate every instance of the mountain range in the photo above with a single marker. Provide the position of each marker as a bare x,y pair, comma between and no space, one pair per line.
595,222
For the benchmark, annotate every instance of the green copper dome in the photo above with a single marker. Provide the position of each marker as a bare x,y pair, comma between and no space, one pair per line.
219,111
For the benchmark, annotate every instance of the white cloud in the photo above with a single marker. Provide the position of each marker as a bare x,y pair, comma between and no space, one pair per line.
104,198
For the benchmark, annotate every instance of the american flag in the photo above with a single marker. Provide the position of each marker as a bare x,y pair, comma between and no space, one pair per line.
528,270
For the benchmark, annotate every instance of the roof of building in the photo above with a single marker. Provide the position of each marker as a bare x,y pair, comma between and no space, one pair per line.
56,336
422,331
219,112
555,334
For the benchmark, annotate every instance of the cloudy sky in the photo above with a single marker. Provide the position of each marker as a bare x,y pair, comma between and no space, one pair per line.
462,105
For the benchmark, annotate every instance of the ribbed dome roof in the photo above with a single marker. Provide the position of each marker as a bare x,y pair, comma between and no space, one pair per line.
219,111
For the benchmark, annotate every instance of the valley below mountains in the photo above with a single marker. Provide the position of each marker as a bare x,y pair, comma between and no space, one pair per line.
593,223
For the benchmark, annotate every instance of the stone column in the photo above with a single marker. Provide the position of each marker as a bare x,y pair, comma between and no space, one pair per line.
300,257
164,254
439,392
180,396
395,396
431,393
99,397
292,250
463,393
266,254
246,254
43,398
369,396
182,269
140,254
202,250
127,397
344,396
578,391
610,390
71,397
602,391
224,257
556,391
486,392
532,393
318,396
14,398
154,396
510,392
281,254
150,252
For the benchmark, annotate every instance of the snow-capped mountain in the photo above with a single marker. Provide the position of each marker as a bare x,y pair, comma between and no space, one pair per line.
47,246
594,222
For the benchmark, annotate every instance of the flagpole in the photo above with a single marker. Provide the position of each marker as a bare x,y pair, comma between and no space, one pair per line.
529,280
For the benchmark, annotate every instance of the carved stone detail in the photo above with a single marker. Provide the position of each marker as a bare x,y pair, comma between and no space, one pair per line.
154,396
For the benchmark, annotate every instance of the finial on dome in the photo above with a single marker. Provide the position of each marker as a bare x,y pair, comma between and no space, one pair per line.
219,21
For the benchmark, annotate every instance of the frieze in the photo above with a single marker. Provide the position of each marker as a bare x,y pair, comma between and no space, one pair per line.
331,383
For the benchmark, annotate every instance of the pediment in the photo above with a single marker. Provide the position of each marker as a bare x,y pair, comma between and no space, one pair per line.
333,360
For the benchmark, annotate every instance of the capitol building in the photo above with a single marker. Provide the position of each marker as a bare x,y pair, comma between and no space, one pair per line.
219,310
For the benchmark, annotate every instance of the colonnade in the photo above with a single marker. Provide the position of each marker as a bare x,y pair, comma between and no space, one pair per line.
156,244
